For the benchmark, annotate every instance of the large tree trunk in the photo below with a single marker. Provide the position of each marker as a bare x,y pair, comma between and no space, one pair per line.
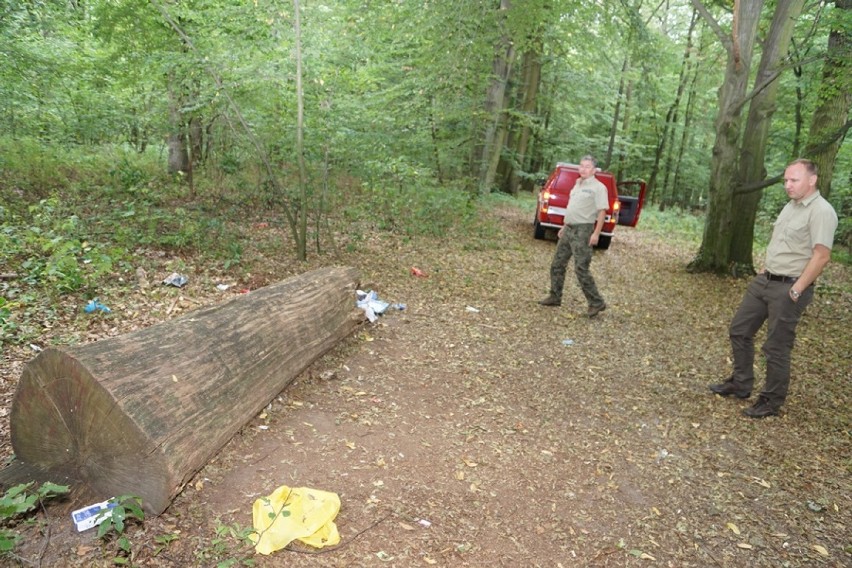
176,141
829,122
714,253
488,154
178,154
755,137
139,414
529,94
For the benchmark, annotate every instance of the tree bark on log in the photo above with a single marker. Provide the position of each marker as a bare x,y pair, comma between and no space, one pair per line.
141,413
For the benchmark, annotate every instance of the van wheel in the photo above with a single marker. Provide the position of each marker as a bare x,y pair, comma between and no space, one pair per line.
603,242
538,230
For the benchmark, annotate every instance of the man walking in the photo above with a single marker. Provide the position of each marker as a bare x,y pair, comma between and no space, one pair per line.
584,220
798,251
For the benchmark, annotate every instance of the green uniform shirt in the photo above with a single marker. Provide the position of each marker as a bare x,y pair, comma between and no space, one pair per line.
587,198
800,227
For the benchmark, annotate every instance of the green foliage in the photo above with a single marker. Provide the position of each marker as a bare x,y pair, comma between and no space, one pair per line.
124,508
48,248
20,500
394,99
8,327
673,224
75,239
22,313
234,254
478,230
407,200
231,546
32,170
843,237
841,198
115,517
163,541
128,174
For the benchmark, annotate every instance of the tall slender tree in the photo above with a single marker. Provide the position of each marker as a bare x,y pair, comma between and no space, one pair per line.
672,115
689,196
302,230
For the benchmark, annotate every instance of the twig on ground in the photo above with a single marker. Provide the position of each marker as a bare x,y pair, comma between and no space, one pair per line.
344,544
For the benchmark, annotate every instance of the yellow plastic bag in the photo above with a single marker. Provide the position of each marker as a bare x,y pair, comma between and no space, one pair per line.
310,519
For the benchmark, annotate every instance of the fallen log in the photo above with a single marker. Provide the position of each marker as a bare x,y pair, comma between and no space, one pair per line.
139,414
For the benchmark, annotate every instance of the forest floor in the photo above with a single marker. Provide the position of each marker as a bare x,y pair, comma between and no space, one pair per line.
477,428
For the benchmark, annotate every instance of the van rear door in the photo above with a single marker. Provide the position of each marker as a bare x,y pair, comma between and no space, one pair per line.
631,196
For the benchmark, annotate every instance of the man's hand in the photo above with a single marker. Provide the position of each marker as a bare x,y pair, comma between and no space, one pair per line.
598,227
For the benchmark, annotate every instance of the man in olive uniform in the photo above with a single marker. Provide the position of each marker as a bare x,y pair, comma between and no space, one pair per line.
584,220
799,249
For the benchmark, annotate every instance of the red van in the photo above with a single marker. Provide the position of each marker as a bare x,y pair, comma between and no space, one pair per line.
624,207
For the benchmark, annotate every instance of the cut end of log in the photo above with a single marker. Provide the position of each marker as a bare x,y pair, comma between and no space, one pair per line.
83,436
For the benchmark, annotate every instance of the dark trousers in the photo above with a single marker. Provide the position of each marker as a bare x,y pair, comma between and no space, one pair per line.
575,242
767,301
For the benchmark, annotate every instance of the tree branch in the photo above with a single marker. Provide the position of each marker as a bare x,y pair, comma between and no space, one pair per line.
714,25
774,76
831,139
758,185
762,184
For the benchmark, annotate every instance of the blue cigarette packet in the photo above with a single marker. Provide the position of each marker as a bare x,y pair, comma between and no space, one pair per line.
87,517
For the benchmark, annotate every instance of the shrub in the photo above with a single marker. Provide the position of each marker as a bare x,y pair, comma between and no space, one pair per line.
18,501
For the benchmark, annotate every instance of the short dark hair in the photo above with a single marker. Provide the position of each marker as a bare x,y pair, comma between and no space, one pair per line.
590,158
809,165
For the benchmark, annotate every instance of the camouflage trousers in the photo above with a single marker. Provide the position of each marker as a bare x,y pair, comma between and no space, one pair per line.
575,242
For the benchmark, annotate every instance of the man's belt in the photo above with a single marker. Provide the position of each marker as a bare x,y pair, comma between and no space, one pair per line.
779,278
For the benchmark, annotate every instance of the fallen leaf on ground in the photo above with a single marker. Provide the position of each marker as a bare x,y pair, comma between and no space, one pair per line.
641,555
734,528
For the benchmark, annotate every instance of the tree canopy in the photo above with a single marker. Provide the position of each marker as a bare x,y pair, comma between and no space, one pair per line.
466,95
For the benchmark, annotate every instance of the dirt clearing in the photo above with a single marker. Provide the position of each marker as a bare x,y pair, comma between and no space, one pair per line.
477,428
